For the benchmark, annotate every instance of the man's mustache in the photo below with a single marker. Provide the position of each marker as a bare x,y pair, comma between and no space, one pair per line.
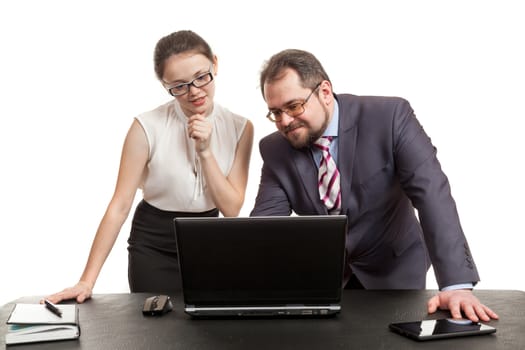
292,126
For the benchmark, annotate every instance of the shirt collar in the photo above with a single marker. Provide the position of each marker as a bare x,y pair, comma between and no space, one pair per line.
333,126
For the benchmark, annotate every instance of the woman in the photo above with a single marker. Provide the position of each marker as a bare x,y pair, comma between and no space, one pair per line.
189,156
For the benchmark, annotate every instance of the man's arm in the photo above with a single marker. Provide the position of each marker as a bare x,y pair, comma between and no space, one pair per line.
271,199
429,190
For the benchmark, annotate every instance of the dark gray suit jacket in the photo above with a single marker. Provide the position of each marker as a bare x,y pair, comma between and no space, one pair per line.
388,167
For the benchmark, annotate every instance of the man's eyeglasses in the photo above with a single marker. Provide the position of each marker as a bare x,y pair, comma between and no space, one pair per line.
200,81
294,109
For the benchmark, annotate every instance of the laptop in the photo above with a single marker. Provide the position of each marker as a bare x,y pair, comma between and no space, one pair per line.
261,266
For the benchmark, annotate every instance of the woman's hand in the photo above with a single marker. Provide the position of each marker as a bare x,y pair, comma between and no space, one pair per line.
199,129
81,292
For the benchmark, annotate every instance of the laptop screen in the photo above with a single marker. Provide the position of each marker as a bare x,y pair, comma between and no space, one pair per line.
261,260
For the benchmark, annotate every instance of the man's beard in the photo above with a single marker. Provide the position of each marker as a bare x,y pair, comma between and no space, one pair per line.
311,136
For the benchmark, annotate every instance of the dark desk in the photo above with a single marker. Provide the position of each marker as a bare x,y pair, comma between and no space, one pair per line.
115,321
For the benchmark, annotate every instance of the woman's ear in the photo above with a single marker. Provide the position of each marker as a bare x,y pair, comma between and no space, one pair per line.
215,64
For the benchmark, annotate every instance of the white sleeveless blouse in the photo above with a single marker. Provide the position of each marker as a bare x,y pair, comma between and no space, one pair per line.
173,179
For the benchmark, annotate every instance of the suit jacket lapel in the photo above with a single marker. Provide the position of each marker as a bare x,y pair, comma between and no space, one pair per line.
347,148
307,170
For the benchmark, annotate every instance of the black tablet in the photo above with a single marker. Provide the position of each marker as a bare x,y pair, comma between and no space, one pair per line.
439,329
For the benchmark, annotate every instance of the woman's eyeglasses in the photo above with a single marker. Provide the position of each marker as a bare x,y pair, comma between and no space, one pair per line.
200,81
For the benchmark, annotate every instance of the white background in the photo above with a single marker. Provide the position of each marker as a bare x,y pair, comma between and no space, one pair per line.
73,74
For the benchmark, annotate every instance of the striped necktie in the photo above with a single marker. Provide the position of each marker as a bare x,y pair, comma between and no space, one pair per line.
329,182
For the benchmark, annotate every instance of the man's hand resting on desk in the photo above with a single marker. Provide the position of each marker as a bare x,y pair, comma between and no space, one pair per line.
81,292
461,300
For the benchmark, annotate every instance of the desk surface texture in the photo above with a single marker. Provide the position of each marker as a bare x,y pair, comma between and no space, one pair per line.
115,321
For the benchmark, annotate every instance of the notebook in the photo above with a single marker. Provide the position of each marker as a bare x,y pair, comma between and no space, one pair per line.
30,323
262,266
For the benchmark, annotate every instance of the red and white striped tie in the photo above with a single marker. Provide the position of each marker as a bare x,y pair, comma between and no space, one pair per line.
329,182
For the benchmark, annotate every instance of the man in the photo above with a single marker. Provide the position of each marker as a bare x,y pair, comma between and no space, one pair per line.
385,166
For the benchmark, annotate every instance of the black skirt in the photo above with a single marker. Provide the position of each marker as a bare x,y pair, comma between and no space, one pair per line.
152,251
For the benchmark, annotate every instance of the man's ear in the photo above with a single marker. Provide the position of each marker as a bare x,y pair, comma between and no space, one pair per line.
326,95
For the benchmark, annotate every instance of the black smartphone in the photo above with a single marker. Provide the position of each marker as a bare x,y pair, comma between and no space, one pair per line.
439,329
